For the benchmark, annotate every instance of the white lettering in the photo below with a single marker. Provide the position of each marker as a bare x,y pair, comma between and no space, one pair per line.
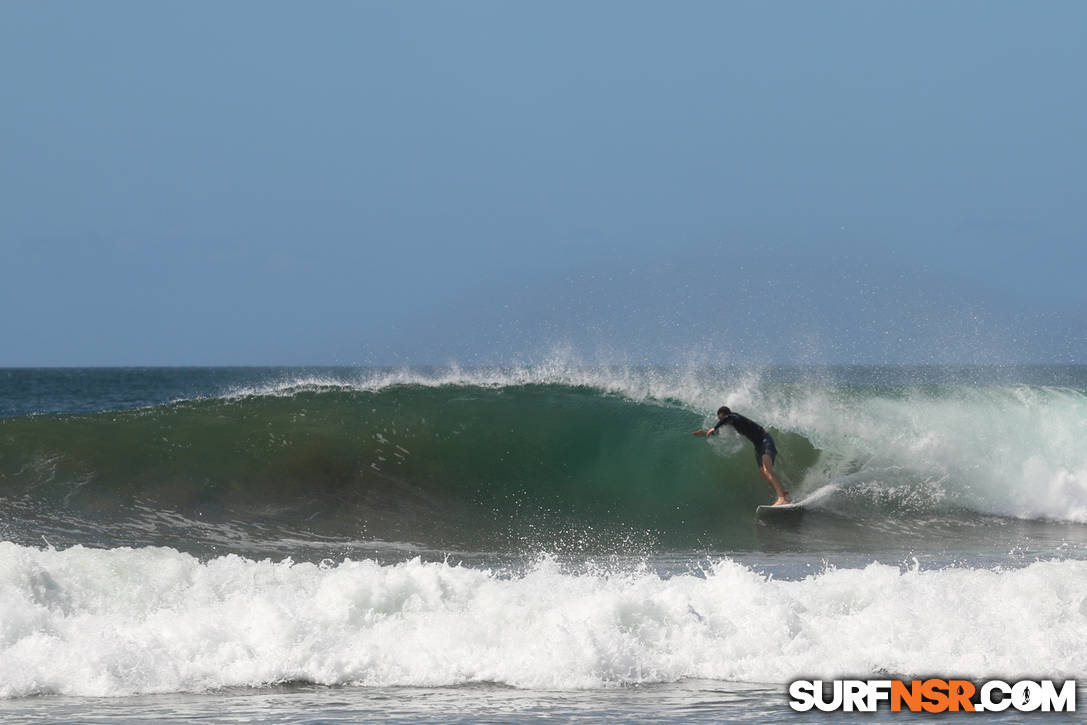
1063,701
1026,696
855,695
879,690
987,702
803,694
835,700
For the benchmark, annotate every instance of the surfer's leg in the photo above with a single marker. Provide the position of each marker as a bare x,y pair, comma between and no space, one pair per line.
767,471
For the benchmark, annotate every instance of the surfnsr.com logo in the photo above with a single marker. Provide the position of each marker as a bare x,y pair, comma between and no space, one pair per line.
933,695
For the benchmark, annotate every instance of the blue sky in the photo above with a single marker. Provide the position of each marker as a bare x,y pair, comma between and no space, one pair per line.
477,182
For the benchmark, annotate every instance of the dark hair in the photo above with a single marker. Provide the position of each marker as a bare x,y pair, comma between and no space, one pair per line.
723,410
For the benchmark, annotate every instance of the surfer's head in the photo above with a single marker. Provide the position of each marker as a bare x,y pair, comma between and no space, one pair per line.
723,411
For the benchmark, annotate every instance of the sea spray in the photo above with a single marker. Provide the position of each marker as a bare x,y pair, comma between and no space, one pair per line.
94,622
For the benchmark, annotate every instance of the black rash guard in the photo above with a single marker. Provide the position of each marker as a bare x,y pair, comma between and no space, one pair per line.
746,427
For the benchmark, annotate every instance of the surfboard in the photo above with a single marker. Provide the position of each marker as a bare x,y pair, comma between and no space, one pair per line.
788,510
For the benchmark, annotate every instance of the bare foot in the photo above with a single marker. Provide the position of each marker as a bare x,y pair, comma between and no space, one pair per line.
782,500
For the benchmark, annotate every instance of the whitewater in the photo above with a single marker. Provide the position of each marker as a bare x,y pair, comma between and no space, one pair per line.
123,622
528,543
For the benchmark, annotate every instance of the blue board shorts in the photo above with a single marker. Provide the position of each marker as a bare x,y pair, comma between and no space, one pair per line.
766,446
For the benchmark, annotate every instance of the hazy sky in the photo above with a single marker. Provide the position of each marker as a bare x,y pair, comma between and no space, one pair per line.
430,182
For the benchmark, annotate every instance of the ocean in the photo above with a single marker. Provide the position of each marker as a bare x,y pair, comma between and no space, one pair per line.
544,542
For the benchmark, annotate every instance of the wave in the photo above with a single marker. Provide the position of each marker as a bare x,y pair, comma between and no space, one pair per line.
93,622
447,456
402,460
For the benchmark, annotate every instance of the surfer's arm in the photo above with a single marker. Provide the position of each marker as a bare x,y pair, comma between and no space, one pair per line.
711,431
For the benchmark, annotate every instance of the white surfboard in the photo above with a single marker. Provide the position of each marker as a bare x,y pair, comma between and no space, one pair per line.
787,510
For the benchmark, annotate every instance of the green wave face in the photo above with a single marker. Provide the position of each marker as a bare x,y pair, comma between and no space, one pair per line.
444,463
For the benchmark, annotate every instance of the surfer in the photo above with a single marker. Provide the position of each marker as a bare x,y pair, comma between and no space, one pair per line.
765,451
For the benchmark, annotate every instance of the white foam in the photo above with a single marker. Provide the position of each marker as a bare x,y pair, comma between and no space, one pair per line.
118,622
637,384
1006,450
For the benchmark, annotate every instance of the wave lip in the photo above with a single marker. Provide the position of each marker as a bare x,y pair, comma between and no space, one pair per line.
125,621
